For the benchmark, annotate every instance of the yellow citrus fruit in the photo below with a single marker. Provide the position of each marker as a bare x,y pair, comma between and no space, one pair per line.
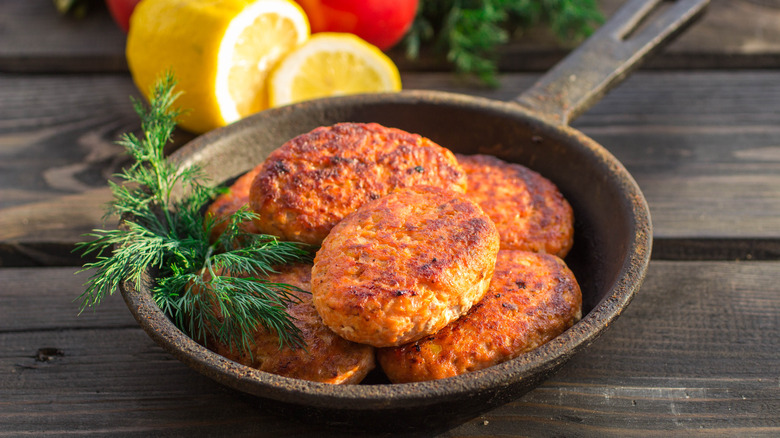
219,51
332,64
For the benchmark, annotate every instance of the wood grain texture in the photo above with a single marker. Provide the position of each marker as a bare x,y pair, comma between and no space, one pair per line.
707,168
703,146
63,44
57,150
696,353
733,34
56,154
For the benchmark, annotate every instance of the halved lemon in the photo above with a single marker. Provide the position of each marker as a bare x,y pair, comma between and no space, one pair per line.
220,52
332,64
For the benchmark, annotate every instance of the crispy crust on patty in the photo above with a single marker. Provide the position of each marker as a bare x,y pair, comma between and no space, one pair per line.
404,266
532,298
314,180
327,358
529,211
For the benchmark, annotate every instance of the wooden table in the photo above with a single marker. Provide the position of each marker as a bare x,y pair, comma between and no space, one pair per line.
696,353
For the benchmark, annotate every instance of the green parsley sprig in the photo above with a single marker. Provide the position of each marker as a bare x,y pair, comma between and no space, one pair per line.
470,32
211,291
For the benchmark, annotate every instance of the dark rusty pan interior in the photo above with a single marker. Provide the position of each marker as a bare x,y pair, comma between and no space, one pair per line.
613,232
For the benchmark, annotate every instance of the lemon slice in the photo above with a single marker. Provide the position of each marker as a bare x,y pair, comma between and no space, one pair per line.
220,51
332,64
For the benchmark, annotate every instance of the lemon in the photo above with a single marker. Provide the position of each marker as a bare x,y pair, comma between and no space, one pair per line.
332,64
220,52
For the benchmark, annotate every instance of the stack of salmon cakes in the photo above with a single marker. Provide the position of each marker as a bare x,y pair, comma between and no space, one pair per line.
436,264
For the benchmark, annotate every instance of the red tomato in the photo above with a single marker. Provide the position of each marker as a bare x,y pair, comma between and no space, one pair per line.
380,22
120,10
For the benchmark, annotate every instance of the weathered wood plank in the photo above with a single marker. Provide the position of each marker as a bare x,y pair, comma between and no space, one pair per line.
707,167
57,151
35,38
112,381
704,147
733,34
44,300
696,353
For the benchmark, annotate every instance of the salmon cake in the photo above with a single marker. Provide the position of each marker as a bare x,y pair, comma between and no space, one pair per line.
404,266
532,298
327,357
529,211
313,181
227,203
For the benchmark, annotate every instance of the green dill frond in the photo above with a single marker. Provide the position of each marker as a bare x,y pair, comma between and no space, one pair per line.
470,32
221,307
132,251
253,301
171,235
572,20
233,235
258,260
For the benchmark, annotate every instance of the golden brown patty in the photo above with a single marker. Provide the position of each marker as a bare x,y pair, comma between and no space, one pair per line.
311,182
404,266
228,203
532,298
528,210
327,358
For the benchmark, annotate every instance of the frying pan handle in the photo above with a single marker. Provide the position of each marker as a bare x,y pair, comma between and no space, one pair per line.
606,58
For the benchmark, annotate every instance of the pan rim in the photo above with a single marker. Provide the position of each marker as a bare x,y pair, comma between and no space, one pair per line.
386,396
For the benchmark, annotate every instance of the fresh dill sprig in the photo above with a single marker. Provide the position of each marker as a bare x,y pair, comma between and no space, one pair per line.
470,32
211,291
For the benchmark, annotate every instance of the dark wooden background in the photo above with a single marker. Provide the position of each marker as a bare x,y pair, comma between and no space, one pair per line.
696,353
